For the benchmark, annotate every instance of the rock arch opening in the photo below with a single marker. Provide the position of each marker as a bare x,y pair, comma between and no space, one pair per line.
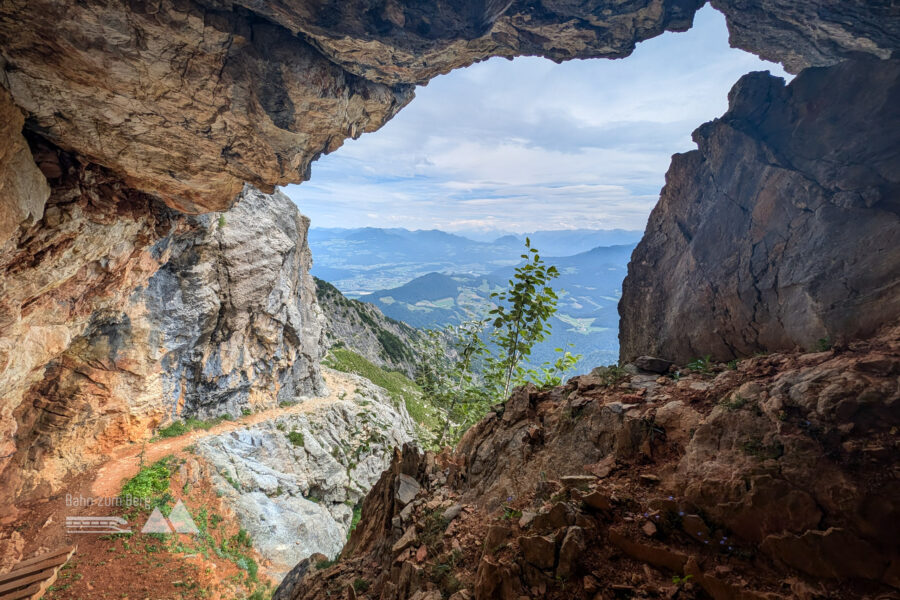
126,123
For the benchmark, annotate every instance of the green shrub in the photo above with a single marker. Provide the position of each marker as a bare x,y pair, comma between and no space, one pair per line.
701,365
296,438
357,515
150,483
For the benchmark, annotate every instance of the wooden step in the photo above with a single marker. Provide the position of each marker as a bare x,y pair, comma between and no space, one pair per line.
31,578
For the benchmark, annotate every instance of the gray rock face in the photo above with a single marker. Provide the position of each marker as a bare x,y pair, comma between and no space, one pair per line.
363,328
293,481
782,229
154,315
22,185
235,309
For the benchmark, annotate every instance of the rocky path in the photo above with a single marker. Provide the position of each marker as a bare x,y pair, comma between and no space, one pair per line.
125,460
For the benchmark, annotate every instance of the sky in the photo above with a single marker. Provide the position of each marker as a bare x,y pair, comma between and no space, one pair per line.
528,144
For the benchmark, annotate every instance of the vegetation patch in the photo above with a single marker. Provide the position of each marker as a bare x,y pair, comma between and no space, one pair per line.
357,515
296,438
400,387
151,484
178,428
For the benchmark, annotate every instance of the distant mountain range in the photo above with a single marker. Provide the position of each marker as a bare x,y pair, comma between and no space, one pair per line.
589,286
362,261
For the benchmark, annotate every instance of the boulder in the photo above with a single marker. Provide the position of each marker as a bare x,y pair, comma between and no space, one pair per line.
651,364
570,552
539,550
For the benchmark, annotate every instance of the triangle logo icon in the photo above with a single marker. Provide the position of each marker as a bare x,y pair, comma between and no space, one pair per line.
181,519
157,523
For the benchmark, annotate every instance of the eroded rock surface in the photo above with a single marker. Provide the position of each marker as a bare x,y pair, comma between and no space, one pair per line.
782,229
101,344
812,34
66,377
233,315
772,479
185,100
294,481
189,99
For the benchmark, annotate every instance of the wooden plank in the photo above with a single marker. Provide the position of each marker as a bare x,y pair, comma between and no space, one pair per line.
26,593
45,586
26,581
30,570
31,578
42,557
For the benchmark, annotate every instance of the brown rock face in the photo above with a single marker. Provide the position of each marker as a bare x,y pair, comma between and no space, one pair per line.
189,99
782,229
58,278
186,101
783,482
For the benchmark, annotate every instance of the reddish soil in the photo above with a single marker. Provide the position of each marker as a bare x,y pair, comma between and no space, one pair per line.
144,566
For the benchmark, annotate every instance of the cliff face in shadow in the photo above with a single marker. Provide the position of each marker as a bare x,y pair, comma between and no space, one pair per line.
782,229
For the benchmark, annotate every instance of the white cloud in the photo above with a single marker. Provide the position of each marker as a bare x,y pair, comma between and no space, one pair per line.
527,144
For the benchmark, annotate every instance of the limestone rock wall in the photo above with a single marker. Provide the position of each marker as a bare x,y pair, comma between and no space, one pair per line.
119,315
233,311
67,378
782,229
294,481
